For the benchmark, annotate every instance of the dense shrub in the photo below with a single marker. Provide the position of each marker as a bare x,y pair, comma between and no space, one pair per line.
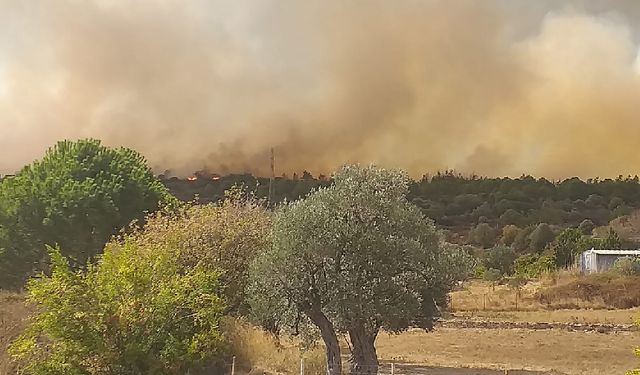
136,312
483,235
224,236
533,265
627,266
541,237
500,258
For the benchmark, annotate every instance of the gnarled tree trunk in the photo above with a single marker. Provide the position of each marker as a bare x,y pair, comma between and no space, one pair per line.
364,359
334,361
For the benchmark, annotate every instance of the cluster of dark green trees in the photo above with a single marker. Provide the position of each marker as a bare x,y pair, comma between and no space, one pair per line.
131,281
459,202
530,224
76,197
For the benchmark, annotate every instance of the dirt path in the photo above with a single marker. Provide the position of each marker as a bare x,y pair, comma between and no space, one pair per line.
573,327
422,370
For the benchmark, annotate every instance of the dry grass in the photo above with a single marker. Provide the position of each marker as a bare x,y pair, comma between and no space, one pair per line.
257,351
13,315
559,297
598,289
477,295
572,353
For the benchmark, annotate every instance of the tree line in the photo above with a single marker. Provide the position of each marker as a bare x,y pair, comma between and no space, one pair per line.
455,201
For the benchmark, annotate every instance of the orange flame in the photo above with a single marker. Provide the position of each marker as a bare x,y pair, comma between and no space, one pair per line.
192,178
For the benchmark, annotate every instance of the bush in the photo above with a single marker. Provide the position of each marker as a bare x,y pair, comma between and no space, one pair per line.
492,275
500,258
135,312
483,235
533,266
509,234
541,237
223,236
586,226
627,266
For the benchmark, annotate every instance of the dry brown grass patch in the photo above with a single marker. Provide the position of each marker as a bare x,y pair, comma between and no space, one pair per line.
257,351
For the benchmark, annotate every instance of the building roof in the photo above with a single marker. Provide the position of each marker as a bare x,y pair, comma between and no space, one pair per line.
614,252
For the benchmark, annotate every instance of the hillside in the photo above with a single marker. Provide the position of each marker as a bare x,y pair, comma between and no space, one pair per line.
457,202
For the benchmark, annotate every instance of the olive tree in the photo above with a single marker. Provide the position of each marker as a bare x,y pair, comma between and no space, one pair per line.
355,258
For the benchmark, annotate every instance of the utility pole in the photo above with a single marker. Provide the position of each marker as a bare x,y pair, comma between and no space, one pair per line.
272,160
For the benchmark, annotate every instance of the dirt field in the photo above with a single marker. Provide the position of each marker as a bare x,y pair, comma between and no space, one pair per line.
555,351
627,316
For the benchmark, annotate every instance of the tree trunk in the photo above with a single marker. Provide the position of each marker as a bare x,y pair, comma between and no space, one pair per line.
334,361
364,359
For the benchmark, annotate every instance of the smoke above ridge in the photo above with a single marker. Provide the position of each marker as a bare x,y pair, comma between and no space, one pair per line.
494,88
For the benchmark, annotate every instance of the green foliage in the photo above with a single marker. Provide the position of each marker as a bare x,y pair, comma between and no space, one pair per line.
586,226
225,236
611,241
78,196
541,237
483,235
456,201
511,217
569,243
360,255
522,242
478,271
492,275
533,265
136,312
627,266
500,258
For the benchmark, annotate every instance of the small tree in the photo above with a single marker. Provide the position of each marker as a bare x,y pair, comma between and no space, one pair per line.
483,235
500,258
136,312
355,258
492,275
517,283
509,234
567,245
541,237
586,226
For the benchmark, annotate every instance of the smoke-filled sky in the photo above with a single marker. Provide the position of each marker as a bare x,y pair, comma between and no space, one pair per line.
504,87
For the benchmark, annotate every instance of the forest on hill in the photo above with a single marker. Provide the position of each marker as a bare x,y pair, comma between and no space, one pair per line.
456,202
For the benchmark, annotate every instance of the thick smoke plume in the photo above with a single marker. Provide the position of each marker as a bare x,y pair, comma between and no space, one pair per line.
494,88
